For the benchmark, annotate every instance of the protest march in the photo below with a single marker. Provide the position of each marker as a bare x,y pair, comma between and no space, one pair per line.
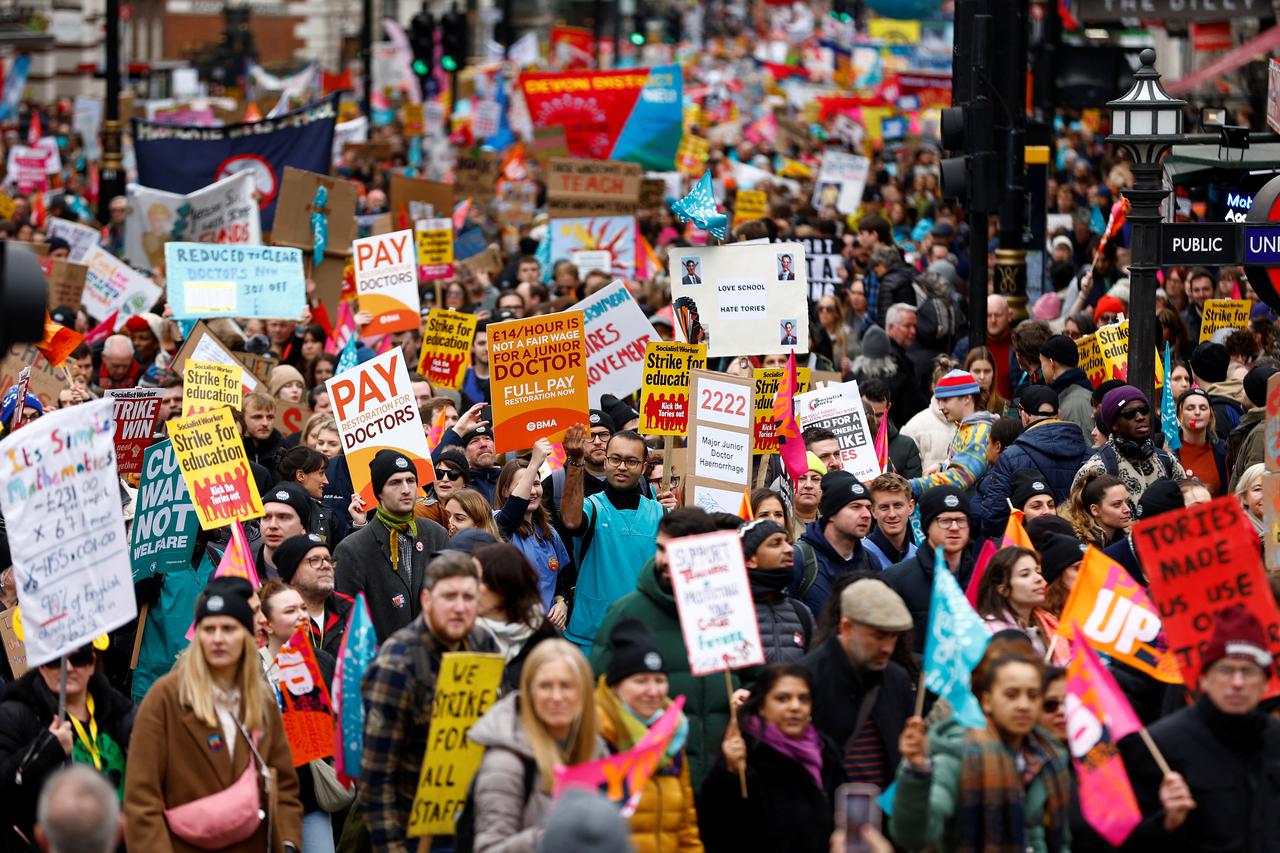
767,431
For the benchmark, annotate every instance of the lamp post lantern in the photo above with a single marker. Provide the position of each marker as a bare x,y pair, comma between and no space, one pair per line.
1146,122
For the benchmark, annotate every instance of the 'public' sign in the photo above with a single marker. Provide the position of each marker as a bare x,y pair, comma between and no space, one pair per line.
1199,243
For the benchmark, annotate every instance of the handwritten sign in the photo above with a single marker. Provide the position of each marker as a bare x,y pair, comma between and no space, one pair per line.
446,347
164,519
713,597
386,271
617,334
61,503
664,392
207,280
304,700
720,439
465,688
538,378
577,187
216,468
14,649
839,409
135,413
112,285
209,385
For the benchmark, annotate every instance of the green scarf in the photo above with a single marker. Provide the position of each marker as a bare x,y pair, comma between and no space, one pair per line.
399,524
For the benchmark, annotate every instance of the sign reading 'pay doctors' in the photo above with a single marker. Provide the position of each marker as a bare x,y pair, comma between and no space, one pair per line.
386,268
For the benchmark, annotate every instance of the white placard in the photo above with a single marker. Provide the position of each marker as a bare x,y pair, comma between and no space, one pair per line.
617,333
723,403
839,409
386,272
113,285
842,179
722,455
223,212
61,502
81,237
713,597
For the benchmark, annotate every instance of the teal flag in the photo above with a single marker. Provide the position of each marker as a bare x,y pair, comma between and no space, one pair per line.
699,207
955,644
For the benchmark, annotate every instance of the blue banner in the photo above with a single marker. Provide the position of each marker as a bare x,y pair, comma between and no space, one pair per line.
216,280
185,159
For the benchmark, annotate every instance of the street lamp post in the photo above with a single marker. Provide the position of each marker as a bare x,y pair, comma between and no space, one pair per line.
1145,122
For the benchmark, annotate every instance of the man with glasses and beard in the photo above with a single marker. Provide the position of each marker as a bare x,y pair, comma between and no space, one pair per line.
613,531
305,564
1129,453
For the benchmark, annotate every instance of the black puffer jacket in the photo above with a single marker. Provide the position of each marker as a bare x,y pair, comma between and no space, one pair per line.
913,580
30,754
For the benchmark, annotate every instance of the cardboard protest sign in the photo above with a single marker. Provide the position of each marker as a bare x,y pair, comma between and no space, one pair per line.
1199,561
547,142
215,467
617,334
517,202
386,268
223,212
164,519
1223,314
466,687
488,261
135,413
66,281
446,347
742,300
664,390
839,409
81,238
14,649
823,263
45,381
475,174
749,205
613,234
61,504
206,280
202,345
622,777
537,378
653,192
294,228
1271,440
713,596
209,385
592,187
290,417
376,410
719,439
842,178
764,429
434,239
113,285
412,199
304,700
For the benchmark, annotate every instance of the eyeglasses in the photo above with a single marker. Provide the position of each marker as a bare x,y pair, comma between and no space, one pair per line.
623,461
603,436
1248,672
1135,412
1051,706
317,561
956,523
448,474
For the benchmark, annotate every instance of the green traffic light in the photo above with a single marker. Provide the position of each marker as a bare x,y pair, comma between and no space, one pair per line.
637,39
448,63
419,67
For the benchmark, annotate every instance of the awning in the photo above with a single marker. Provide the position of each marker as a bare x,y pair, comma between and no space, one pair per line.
1196,164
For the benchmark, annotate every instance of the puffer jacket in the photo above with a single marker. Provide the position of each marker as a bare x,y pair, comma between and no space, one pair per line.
830,567
932,433
505,822
966,456
786,629
1053,449
913,580
665,819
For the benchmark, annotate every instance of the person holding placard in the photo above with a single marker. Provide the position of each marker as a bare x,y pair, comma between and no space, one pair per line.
601,429
524,521
473,435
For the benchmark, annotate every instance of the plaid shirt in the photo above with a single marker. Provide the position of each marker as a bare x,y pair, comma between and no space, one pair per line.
399,690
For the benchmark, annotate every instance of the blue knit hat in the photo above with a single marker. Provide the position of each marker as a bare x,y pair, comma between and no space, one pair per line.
957,383
10,404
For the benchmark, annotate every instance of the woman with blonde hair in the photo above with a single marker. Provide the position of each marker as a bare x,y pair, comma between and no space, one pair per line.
1249,492
320,432
551,721
213,728
467,508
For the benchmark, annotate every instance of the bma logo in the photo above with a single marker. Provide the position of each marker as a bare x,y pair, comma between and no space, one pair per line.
1238,206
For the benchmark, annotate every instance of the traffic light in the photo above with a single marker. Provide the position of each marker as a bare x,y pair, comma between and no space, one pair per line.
453,40
422,40
971,173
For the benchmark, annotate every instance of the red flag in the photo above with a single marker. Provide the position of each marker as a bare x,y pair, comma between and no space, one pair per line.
882,439
58,341
790,446
38,209
34,130
1098,716
979,569
252,113
305,705
103,330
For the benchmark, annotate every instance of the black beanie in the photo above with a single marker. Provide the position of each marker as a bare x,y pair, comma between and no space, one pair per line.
1209,362
1041,527
635,650
227,596
1163,495
753,534
1061,349
291,494
618,411
1057,554
839,489
385,465
1025,484
1255,384
939,499
290,554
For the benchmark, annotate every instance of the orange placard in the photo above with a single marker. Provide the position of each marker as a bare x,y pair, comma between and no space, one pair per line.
304,700
537,378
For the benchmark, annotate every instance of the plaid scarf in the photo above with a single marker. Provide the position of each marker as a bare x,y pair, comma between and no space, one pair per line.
993,793
399,525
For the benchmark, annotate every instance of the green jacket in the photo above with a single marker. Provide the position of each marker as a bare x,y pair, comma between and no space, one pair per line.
706,697
926,808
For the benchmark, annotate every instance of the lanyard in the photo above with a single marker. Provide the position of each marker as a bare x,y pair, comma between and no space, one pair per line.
89,744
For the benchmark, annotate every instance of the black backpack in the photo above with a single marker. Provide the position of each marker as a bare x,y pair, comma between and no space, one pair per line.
464,829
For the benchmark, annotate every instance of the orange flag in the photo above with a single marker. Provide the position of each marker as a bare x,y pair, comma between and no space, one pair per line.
58,341
1015,533
744,509
437,430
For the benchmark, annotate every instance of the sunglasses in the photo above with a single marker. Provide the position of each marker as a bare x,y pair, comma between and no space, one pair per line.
82,657
1051,706
1135,412
448,474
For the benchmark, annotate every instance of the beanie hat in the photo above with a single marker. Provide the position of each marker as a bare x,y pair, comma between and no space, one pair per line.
295,496
1236,634
1025,484
146,321
618,411
1209,362
1061,349
939,499
10,404
281,375
1102,390
1255,384
226,596
601,419
1057,554
1163,495
753,534
815,464
291,551
1048,308
1116,399
872,602
635,650
385,465
1107,305
469,539
839,489
582,820
1040,528
476,432
957,383
875,343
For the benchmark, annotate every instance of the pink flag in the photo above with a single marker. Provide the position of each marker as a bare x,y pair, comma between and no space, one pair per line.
1098,716
979,569
882,440
237,560
103,330
790,445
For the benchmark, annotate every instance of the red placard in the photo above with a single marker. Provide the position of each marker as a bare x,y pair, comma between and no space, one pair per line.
136,411
304,700
1200,561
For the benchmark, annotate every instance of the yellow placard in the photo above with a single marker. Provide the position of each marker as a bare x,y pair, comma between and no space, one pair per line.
216,470
764,430
893,31
208,385
691,158
446,347
413,121
1113,346
664,394
749,205
1091,359
465,688
434,241
7,206
1224,314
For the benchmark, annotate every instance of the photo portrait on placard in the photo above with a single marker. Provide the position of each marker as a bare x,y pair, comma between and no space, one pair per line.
787,329
786,267
692,271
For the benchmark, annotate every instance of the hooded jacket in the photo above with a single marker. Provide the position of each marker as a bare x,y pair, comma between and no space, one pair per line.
913,580
1225,397
505,822
966,456
831,566
706,702
932,434
1054,449
896,285
1075,399
1246,443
